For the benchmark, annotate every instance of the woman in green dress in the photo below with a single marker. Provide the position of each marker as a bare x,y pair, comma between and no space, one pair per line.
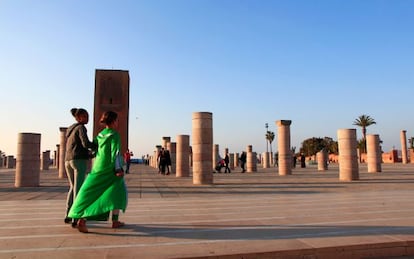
104,189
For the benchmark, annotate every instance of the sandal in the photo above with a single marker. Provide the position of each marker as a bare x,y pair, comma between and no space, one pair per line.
117,224
82,226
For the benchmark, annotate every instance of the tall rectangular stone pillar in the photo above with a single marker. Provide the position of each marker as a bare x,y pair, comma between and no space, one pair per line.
112,94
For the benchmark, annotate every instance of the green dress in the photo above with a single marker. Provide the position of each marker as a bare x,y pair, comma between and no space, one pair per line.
102,190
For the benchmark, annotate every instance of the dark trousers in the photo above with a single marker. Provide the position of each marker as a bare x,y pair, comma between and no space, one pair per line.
227,168
242,166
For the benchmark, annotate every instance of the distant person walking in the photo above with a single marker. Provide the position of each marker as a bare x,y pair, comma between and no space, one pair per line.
226,163
243,158
127,160
104,189
276,159
78,150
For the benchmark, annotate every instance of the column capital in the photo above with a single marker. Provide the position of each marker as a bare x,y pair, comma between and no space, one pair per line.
283,122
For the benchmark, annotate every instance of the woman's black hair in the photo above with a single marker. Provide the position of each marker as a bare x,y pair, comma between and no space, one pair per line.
76,112
108,117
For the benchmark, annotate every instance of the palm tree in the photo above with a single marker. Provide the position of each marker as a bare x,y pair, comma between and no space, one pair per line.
270,136
364,121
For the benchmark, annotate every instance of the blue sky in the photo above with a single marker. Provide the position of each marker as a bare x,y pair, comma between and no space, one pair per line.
320,64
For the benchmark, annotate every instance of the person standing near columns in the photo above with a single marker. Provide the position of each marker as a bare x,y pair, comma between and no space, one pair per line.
168,163
243,158
78,150
163,161
226,163
104,190
127,160
302,160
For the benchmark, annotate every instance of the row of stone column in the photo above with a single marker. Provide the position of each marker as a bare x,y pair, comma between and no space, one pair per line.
179,154
7,162
10,162
348,155
29,161
28,157
205,154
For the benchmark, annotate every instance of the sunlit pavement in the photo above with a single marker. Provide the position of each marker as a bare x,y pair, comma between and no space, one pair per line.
308,214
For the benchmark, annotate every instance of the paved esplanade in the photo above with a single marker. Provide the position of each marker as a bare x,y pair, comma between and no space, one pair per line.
309,214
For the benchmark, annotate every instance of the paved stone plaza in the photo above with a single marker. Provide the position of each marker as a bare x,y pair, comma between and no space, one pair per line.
308,214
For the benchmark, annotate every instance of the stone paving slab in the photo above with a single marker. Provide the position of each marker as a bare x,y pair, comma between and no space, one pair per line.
308,214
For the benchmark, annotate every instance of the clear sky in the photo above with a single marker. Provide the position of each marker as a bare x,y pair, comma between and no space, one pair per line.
318,63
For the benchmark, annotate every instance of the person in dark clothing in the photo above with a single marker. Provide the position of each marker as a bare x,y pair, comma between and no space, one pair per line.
162,158
294,160
302,161
243,161
168,160
220,164
226,163
276,159
78,152
127,160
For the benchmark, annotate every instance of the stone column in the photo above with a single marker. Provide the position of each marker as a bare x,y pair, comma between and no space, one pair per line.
285,153
254,161
374,157
404,154
266,161
153,162
190,157
62,153
172,147
57,156
231,162
411,155
45,161
10,162
236,159
271,162
156,152
54,158
216,155
183,153
28,160
348,156
202,146
322,158
250,160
